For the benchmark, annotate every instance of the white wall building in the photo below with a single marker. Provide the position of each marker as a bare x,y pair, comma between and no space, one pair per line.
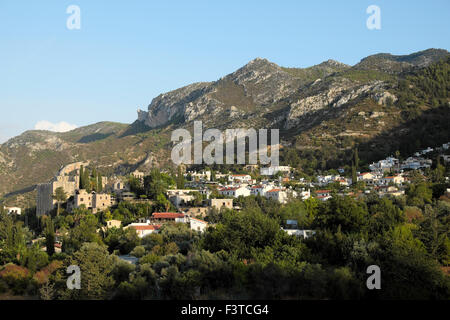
197,224
144,229
300,233
269,171
235,191
14,210
239,178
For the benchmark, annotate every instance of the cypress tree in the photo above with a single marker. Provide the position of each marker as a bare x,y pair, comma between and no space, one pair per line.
81,184
94,180
354,177
99,183
50,236
356,159
180,179
86,181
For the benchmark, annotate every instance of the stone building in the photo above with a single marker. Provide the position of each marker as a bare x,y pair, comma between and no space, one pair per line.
67,178
44,201
94,201
221,203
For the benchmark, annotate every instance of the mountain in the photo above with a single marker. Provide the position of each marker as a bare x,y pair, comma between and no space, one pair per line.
249,90
393,64
382,104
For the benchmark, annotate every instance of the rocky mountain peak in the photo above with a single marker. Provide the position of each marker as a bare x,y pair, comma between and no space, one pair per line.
390,63
334,63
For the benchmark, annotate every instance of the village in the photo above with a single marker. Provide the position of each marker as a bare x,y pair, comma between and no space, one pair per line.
205,190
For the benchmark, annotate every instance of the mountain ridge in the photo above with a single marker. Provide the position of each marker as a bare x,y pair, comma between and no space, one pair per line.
261,83
321,111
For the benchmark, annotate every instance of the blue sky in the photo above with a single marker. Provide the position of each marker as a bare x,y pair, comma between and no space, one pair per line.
128,52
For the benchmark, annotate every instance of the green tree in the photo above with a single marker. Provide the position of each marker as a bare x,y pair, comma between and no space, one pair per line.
180,178
94,180
354,176
96,266
156,184
82,182
60,196
356,158
49,236
99,183
341,212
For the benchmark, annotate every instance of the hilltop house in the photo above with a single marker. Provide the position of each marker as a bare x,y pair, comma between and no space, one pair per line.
234,191
181,199
144,229
221,203
305,194
280,195
168,217
392,179
113,224
260,189
93,200
197,224
239,178
299,233
269,171
14,210
323,195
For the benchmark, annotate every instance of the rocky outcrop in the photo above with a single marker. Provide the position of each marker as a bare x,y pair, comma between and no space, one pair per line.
261,85
397,63
169,106
258,83
334,94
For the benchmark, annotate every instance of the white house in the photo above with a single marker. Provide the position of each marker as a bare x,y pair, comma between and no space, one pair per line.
393,179
323,195
235,191
197,224
300,233
280,195
416,163
181,199
204,175
269,171
240,178
261,189
366,176
14,210
305,194
144,229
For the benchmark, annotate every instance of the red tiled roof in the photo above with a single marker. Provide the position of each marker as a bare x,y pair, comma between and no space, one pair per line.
149,227
323,191
229,189
274,190
198,220
167,215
